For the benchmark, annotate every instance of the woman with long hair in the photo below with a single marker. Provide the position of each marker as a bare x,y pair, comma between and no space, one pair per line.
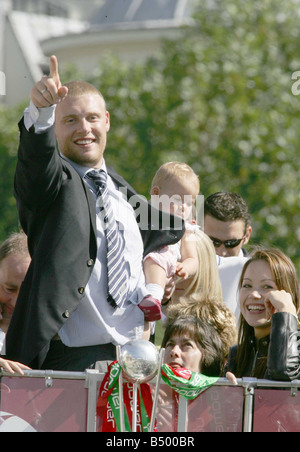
268,332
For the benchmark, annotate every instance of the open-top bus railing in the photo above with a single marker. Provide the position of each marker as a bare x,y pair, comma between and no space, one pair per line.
66,401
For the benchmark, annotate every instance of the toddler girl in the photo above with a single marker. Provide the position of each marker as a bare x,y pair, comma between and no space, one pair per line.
174,189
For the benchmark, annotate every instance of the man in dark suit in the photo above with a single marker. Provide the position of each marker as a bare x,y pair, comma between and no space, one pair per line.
63,319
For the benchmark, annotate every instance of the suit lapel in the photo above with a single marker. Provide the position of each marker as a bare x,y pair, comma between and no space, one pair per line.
92,207
121,182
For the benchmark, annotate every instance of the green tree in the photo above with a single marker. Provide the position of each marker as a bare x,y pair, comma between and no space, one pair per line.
220,99
9,137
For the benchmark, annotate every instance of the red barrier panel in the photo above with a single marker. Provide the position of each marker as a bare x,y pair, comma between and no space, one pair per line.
43,404
276,411
218,409
28,405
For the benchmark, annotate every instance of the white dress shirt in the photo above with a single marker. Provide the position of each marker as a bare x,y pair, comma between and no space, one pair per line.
2,342
230,269
95,321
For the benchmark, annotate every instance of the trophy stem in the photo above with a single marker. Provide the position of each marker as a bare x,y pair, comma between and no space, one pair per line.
156,393
121,402
134,412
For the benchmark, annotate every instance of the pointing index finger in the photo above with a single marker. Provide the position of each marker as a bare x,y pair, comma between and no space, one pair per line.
54,68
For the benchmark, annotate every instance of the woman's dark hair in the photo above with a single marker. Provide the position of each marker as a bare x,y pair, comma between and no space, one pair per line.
285,277
207,339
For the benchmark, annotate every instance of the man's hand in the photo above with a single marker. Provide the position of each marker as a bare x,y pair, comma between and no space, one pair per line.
49,90
12,366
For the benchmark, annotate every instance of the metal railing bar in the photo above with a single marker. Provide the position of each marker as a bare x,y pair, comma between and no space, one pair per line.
47,374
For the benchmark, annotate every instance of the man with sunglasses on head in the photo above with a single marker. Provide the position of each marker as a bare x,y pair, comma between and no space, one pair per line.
227,223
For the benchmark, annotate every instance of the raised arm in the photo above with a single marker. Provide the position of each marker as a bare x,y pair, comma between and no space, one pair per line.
39,172
283,357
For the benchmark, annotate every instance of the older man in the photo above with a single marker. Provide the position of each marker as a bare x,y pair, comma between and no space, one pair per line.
14,263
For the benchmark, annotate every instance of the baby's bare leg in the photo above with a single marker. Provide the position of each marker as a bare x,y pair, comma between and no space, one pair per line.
154,273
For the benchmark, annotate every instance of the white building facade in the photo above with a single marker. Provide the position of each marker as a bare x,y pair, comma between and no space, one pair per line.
80,33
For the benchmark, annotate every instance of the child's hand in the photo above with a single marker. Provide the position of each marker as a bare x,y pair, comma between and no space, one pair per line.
181,271
169,289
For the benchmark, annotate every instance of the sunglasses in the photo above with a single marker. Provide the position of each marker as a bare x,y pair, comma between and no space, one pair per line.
227,243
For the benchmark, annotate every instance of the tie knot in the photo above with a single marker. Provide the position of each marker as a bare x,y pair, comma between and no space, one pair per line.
99,178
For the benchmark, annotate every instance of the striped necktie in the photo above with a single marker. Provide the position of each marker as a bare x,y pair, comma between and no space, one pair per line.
117,273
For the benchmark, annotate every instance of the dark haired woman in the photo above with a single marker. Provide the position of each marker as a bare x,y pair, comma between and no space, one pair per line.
268,334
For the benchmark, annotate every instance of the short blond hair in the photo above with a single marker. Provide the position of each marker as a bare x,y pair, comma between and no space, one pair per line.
173,171
77,88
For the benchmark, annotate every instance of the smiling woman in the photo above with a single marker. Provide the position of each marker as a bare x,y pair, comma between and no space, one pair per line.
268,334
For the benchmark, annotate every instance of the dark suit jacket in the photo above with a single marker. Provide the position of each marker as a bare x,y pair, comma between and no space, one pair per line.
57,212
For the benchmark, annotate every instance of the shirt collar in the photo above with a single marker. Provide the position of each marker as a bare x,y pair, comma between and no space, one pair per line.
83,170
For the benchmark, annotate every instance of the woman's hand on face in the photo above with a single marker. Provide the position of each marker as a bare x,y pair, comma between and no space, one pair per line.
279,301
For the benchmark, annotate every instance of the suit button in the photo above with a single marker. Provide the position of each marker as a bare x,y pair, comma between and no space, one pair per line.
66,315
81,290
90,262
